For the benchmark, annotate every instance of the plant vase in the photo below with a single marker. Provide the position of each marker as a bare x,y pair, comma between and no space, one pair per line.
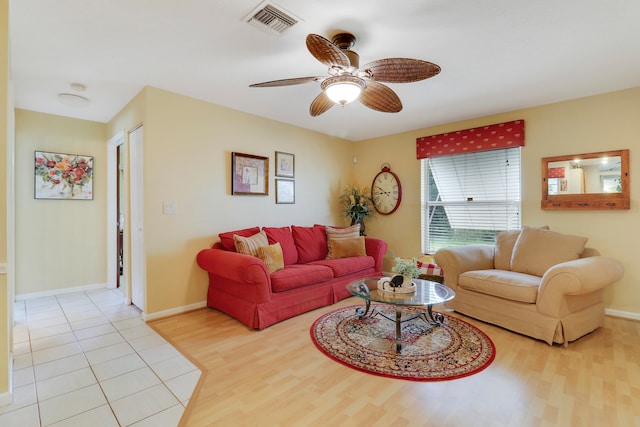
360,221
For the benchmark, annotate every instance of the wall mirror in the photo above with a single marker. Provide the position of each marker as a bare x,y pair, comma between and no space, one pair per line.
586,181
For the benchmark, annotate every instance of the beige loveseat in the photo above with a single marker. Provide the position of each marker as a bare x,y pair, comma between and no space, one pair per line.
534,281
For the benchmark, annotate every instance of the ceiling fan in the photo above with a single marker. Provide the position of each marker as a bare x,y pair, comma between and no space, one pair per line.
347,81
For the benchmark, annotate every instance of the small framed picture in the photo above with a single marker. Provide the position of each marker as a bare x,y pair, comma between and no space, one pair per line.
285,191
249,174
285,165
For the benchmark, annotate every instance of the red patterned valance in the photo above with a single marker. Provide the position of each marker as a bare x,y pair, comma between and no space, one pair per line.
556,172
485,138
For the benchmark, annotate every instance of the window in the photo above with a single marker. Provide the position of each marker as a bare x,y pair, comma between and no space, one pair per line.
467,198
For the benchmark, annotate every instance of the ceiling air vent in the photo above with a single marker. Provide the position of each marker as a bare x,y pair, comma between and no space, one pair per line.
271,18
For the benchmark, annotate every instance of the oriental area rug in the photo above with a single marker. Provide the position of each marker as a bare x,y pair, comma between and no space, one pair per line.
453,349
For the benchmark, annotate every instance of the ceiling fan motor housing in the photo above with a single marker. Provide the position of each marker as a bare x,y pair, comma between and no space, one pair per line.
345,41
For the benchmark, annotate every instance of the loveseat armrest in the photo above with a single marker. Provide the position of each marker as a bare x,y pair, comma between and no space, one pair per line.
578,277
243,276
455,260
376,248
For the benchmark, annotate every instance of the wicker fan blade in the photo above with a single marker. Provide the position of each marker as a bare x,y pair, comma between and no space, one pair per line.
326,52
320,105
288,82
401,70
380,98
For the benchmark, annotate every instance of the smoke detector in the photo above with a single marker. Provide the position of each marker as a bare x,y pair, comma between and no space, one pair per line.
271,18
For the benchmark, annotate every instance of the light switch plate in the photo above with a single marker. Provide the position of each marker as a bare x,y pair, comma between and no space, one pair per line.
170,208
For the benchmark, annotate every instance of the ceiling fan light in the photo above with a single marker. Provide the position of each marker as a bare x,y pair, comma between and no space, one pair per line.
343,89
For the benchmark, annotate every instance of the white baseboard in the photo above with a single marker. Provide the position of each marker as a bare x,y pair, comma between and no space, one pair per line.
173,311
32,295
6,398
623,314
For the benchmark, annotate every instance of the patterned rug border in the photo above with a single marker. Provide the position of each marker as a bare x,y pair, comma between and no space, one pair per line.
387,375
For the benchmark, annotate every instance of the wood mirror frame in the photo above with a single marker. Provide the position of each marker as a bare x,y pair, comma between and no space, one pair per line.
593,200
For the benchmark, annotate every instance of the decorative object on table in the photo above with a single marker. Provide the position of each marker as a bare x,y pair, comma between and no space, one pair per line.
285,165
386,191
347,81
63,176
401,282
454,349
249,174
357,205
285,191
397,284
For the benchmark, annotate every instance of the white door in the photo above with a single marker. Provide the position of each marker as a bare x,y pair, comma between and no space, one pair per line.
138,263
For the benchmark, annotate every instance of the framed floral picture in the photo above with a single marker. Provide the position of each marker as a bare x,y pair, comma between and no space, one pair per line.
285,191
63,176
285,164
249,174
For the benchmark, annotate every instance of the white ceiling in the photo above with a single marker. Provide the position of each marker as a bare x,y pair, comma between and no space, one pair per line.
496,55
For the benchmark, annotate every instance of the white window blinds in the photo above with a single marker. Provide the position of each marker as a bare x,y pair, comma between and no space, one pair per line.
467,198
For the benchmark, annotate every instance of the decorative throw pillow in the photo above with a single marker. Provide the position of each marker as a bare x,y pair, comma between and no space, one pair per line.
311,243
337,233
283,236
344,248
272,257
249,245
227,241
505,241
537,250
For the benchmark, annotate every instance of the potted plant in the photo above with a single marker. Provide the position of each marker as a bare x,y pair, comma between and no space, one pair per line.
407,268
357,205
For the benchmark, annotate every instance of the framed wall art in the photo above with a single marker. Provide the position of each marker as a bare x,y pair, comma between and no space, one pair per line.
63,176
285,164
285,191
249,174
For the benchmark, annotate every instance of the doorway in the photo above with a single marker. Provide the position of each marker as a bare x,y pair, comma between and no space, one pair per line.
120,219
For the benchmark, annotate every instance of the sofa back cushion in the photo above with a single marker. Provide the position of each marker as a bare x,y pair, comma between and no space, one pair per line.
249,245
505,242
226,239
283,236
536,250
311,243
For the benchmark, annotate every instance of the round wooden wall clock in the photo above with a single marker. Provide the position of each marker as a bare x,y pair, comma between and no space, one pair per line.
386,191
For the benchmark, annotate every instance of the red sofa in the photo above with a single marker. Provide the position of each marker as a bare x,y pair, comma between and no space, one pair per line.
241,286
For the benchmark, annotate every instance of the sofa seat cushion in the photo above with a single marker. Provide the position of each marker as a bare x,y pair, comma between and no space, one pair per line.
500,283
298,275
344,266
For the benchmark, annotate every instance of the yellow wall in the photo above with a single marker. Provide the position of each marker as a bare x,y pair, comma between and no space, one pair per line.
4,102
187,159
59,243
592,124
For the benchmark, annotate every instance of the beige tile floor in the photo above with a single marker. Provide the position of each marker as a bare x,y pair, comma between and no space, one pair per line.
85,359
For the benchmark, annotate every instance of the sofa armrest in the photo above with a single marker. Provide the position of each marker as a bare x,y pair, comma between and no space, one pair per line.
376,248
578,277
455,260
243,276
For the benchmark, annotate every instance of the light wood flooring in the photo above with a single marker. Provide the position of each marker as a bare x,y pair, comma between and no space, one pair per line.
277,377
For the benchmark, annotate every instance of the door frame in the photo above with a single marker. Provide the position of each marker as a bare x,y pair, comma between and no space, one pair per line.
138,273
112,206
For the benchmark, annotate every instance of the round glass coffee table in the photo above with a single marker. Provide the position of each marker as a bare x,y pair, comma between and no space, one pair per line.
427,294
